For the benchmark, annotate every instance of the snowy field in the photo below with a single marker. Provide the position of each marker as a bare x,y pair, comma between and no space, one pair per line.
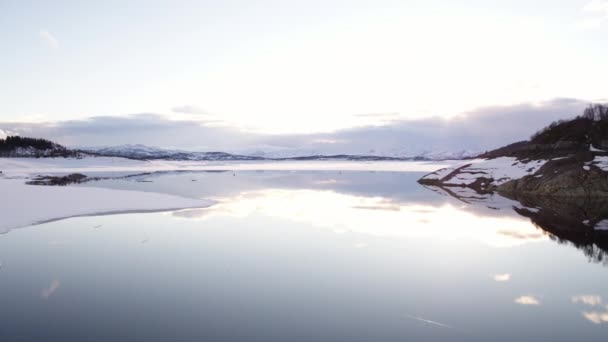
24,167
22,205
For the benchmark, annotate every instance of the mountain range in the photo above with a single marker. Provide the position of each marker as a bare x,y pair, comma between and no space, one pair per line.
139,151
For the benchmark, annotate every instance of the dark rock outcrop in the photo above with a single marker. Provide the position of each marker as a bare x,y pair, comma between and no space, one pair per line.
574,176
73,178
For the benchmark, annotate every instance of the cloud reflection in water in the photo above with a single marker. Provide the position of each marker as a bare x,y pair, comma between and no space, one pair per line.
374,216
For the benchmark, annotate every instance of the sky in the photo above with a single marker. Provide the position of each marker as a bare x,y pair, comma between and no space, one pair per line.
269,70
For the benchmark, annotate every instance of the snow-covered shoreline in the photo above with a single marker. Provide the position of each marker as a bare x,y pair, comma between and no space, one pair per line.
498,171
27,167
23,205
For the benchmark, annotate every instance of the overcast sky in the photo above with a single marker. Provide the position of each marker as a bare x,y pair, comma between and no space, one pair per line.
331,71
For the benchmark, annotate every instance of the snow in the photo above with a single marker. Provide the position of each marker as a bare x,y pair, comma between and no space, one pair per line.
270,152
534,210
24,167
501,170
267,151
602,225
23,205
601,162
593,149
439,174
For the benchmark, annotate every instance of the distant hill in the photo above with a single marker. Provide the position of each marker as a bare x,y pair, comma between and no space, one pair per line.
153,153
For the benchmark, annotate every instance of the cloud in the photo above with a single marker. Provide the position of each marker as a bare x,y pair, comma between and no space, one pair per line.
3,134
600,9
591,300
502,277
596,317
377,115
48,292
591,23
188,109
478,130
597,6
49,39
146,128
527,300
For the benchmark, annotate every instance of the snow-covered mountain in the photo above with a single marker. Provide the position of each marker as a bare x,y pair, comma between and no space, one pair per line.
404,153
146,152
447,155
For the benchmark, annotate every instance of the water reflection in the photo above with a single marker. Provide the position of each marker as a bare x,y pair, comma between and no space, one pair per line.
592,300
388,204
527,300
502,277
596,312
575,221
301,256
374,216
48,291
571,221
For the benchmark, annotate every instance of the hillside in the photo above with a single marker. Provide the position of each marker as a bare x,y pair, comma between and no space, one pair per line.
587,132
16,146
567,158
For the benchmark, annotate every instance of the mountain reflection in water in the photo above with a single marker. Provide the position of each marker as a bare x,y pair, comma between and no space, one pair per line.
386,204
306,256
578,221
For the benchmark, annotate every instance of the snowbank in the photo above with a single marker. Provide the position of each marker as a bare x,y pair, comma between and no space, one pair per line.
501,170
600,161
23,205
25,167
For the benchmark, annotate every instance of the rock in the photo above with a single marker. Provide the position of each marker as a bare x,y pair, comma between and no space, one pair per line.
65,180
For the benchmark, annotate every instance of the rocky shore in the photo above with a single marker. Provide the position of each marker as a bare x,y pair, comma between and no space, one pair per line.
566,159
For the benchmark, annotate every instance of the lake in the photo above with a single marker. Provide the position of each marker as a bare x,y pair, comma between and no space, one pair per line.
304,256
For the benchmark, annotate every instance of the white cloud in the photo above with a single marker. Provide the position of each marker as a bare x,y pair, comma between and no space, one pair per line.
48,292
591,300
591,23
466,132
597,6
502,277
49,39
189,109
600,9
527,300
2,134
596,317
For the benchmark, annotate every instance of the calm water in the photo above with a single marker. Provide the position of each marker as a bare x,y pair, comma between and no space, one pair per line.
301,256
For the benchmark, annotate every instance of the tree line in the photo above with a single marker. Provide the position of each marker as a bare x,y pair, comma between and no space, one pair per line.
594,112
10,143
